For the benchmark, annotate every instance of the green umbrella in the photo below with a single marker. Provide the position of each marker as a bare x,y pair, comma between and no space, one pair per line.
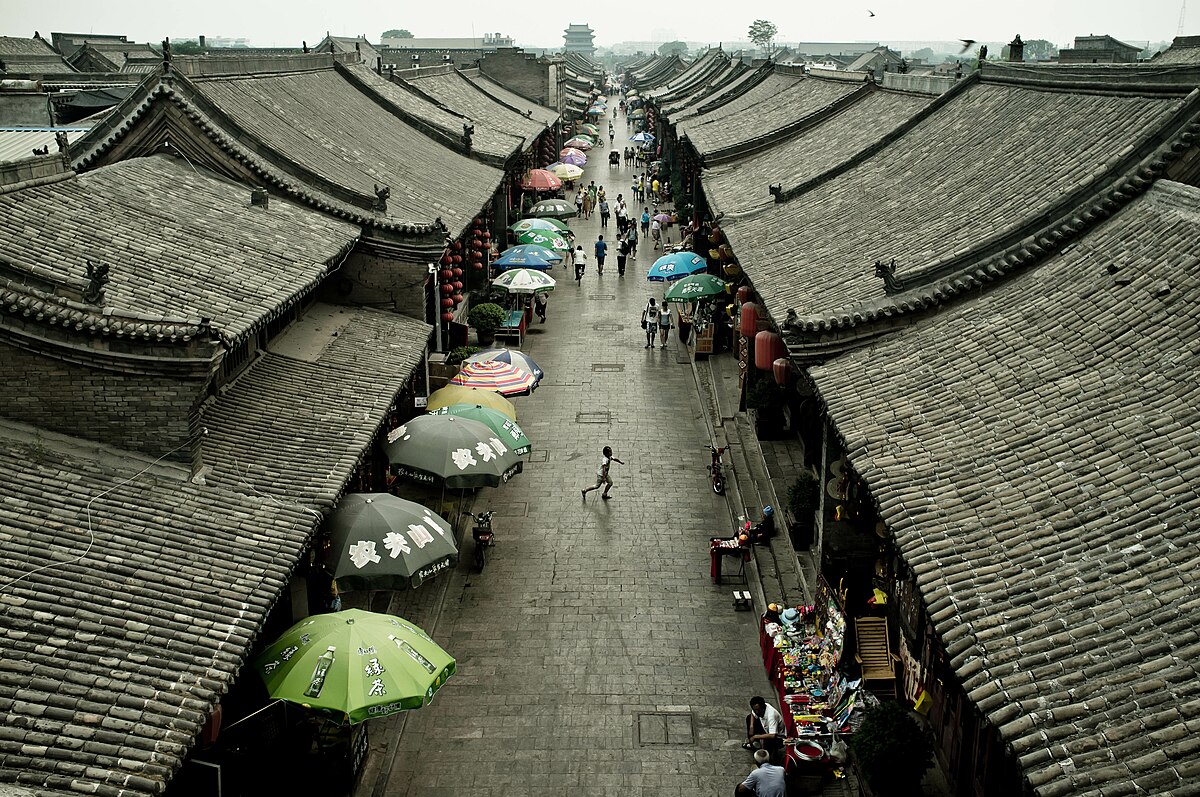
380,541
553,208
355,665
457,452
506,428
697,286
545,239
553,225
590,129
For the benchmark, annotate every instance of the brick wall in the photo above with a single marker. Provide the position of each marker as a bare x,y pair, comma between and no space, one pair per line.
379,282
519,72
151,414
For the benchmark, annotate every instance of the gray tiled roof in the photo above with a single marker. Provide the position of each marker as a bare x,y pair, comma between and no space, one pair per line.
153,593
704,69
743,119
541,113
323,122
990,160
1035,453
741,186
457,93
760,94
297,422
741,80
489,141
1183,50
30,56
180,244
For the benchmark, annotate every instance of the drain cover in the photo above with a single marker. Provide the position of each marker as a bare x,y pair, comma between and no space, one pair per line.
602,297
612,367
608,327
593,417
665,728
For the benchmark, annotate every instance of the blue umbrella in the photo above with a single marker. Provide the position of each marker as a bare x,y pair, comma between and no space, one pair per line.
533,249
507,260
642,138
676,266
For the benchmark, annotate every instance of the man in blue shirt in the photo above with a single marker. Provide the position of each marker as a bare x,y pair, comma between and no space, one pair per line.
601,251
767,780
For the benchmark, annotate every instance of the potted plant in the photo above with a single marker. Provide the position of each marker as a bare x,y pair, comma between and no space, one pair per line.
486,318
763,398
892,750
460,353
803,498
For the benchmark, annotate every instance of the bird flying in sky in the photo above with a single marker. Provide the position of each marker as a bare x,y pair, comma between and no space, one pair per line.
870,13
966,45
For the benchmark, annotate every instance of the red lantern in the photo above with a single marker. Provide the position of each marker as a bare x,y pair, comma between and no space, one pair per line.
458,258
487,236
447,288
456,272
478,266
445,274
477,221
748,323
744,294
768,347
456,246
477,255
447,302
447,259
447,317
457,285
782,368
476,245
457,298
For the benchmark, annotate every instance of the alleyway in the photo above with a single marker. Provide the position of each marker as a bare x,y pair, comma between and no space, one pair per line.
592,620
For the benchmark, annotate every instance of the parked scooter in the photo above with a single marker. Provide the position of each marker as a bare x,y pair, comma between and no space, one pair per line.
716,471
481,532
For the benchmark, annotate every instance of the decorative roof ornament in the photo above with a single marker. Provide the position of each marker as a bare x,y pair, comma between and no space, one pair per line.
382,192
468,130
97,274
166,51
887,272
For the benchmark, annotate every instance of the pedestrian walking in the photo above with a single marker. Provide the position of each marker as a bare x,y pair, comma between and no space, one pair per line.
650,322
654,188
631,236
580,264
601,251
664,324
539,305
587,205
579,204
622,254
602,474
656,233
645,221
604,213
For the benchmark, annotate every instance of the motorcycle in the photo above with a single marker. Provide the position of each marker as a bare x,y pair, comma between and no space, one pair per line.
481,532
716,471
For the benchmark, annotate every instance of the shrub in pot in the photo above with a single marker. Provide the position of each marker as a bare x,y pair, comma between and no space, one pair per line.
486,318
803,497
892,750
460,353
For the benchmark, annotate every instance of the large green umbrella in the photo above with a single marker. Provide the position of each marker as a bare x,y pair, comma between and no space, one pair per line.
456,452
355,665
524,225
384,542
546,239
697,286
553,208
506,428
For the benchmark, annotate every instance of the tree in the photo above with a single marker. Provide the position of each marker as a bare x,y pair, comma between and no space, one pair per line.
762,33
187,48
397,33
925,55
673,48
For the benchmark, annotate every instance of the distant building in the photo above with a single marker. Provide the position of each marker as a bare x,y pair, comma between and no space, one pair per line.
1099,50
489,42
877,61
579,39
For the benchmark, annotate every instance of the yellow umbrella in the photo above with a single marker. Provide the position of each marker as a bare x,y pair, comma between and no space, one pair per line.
566,172
457,394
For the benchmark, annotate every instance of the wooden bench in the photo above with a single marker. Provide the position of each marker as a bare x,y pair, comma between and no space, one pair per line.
742,599
874,653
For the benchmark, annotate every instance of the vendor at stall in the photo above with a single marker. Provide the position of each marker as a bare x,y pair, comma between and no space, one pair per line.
767,780
764,727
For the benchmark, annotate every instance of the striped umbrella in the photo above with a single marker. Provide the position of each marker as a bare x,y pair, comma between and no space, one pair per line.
513,357
502,378
589,129
580,142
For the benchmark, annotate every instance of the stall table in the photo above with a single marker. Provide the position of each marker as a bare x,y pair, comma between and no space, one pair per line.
513,327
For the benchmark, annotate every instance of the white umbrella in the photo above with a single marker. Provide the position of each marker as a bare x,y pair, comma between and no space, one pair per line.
524,280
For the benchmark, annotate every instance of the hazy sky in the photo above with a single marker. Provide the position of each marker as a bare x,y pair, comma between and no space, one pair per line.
273,23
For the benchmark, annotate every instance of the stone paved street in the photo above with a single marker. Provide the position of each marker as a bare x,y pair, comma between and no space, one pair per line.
591,619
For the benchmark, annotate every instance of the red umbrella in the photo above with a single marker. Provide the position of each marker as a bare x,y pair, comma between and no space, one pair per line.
541,180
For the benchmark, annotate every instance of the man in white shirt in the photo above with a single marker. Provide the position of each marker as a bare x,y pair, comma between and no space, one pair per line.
764,727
